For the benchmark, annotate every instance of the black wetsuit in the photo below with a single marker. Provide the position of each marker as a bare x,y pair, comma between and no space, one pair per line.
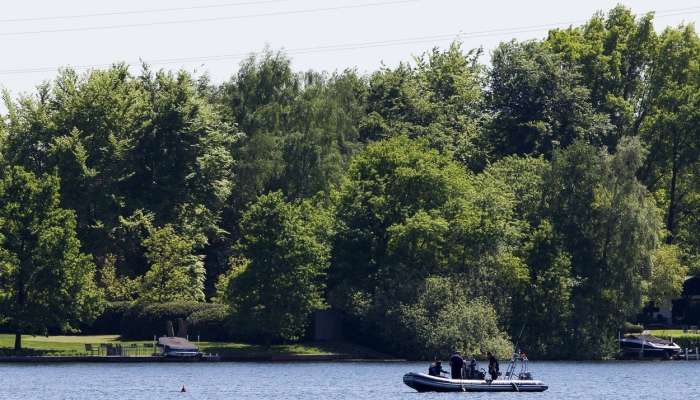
435,370
493,368
456,364
471,369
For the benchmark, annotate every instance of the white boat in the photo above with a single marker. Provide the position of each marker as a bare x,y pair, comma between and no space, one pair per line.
171,346
648,346
427,383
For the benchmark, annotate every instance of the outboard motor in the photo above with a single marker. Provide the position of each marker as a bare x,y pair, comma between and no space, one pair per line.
525,376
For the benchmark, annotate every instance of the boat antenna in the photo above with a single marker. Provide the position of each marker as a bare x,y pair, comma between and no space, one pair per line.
517,341
511,367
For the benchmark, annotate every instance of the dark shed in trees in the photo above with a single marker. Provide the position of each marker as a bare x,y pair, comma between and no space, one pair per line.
686,309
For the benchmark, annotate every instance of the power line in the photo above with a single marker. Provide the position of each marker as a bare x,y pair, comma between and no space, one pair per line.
660,14
170,9
134,12
305,50
345,46
211,19
676,13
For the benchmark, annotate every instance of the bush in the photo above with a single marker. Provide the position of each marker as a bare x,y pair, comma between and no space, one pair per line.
443,320
138,320
211,323
144,320
629,327
109,322
687,341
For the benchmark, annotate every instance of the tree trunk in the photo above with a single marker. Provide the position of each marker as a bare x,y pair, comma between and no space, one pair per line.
671,219
18,341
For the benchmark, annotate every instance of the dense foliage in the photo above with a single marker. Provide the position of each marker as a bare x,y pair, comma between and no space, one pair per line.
443,203
280,282
140,320
45,280
405,214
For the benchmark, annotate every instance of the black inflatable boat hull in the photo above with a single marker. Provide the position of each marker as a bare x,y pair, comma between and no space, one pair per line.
427,383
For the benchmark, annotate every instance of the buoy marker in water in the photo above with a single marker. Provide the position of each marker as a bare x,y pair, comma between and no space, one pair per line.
183,390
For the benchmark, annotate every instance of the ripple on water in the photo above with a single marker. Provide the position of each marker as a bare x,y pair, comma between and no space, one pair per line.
329,381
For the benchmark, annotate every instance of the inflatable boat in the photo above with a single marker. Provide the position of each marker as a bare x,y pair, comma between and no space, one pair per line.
428,383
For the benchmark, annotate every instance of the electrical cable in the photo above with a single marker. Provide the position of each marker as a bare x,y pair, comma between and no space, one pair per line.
210,19
136,12
339,47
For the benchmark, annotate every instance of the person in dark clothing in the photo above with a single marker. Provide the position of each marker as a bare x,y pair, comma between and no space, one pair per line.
471,369
493,366
436,369
456,364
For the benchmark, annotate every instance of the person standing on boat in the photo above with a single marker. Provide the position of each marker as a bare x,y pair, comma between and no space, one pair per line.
493,366
471,369
456,365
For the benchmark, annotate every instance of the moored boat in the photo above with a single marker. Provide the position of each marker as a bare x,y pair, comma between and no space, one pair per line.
648,346
171,346
427,383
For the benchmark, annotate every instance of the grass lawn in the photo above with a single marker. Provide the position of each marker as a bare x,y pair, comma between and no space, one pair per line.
311,348
58,345
683,339
75,345
675,333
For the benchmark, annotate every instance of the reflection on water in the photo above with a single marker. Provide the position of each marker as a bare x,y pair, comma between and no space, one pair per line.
344,380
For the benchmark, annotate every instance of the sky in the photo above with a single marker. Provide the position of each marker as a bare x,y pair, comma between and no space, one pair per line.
212,36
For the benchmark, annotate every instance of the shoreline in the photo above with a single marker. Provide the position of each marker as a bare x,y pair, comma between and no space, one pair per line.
282,358
205,359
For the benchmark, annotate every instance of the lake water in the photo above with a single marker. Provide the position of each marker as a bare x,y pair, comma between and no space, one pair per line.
342,380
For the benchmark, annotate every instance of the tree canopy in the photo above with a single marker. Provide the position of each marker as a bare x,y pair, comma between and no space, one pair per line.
46,282
281,280
554,185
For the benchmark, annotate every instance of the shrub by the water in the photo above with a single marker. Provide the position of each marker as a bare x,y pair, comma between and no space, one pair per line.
138,320
632,328
443,320
110,321
211,323
689,341
144,320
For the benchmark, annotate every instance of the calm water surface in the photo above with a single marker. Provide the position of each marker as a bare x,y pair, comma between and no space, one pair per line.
344,380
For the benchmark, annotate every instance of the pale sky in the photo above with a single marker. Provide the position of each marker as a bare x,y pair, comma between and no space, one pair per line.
322,35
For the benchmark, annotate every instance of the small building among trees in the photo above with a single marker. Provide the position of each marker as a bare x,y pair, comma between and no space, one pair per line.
686,309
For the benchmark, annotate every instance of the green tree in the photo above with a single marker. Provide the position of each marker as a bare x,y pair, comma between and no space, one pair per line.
667,274
118,288
443,320
125,146
182,158
176,273
259,99
272,296
439,99
537,103
614,55
610,227
405,213
80,126
524,178
297,132
298,129
45,281
323,134
545,307
672,170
